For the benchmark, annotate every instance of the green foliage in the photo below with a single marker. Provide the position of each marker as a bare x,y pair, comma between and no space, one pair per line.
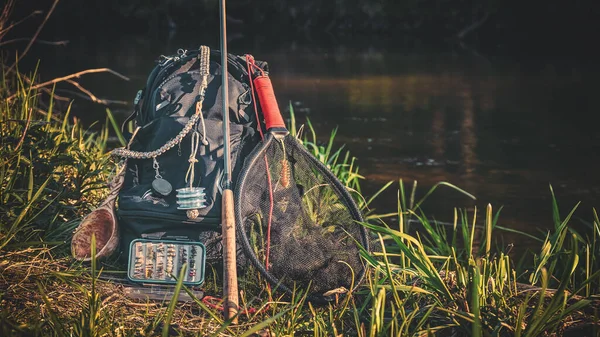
431,279
339,160
450,279
51,171
475,292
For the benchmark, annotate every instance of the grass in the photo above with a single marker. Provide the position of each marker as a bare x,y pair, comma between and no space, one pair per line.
425,278
51,171
442,280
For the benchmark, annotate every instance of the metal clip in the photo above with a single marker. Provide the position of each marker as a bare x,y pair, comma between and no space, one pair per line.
138,97
164,60
182,52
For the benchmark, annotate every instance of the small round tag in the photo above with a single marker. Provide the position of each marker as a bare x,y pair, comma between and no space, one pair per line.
162,186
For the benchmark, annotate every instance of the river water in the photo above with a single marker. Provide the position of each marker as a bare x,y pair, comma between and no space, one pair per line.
503,129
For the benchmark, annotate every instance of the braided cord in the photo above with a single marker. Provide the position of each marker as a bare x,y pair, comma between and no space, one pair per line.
204,71
189,176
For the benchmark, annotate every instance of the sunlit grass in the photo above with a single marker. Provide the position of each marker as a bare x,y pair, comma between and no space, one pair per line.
425,278
51,170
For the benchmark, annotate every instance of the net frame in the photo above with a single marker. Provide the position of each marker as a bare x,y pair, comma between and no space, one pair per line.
249,165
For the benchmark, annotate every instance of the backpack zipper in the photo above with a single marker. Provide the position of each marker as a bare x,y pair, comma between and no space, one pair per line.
211,222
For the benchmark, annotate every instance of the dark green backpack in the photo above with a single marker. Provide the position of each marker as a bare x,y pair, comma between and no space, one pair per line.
175,146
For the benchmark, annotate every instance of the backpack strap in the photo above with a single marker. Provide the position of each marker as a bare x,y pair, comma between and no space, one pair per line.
204,69
136,107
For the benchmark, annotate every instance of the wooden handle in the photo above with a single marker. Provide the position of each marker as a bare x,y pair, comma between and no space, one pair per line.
230,283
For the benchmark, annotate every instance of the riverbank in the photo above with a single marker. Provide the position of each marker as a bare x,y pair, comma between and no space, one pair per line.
424,277
454,281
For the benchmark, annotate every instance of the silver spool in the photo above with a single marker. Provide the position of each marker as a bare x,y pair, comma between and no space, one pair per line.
189,198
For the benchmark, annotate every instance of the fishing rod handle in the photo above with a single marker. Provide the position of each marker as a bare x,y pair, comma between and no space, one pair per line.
230,282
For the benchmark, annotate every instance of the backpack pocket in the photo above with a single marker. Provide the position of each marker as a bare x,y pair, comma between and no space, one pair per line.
143,224
174,166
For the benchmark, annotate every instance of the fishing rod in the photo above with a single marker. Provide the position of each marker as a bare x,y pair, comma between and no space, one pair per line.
230,285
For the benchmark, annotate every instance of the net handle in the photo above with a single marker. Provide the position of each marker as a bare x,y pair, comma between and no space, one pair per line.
268,103
262,86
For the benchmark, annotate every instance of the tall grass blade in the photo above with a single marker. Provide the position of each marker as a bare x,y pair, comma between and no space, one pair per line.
174,300
58,327
376,194
265,323
555,211
92,296
292,127
476,330
471,241
443,183
15,227
116,128
488,230
418,257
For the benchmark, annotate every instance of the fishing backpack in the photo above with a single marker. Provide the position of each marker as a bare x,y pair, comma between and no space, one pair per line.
177,143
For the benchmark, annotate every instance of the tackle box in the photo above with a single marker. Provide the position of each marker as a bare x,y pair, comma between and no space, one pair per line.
160,261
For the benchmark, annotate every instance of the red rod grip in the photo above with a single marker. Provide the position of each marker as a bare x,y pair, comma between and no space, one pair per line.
268,102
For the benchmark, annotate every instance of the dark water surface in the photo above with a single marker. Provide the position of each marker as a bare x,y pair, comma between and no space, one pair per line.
501,129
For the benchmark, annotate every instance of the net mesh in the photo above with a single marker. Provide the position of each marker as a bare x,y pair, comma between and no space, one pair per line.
309,236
